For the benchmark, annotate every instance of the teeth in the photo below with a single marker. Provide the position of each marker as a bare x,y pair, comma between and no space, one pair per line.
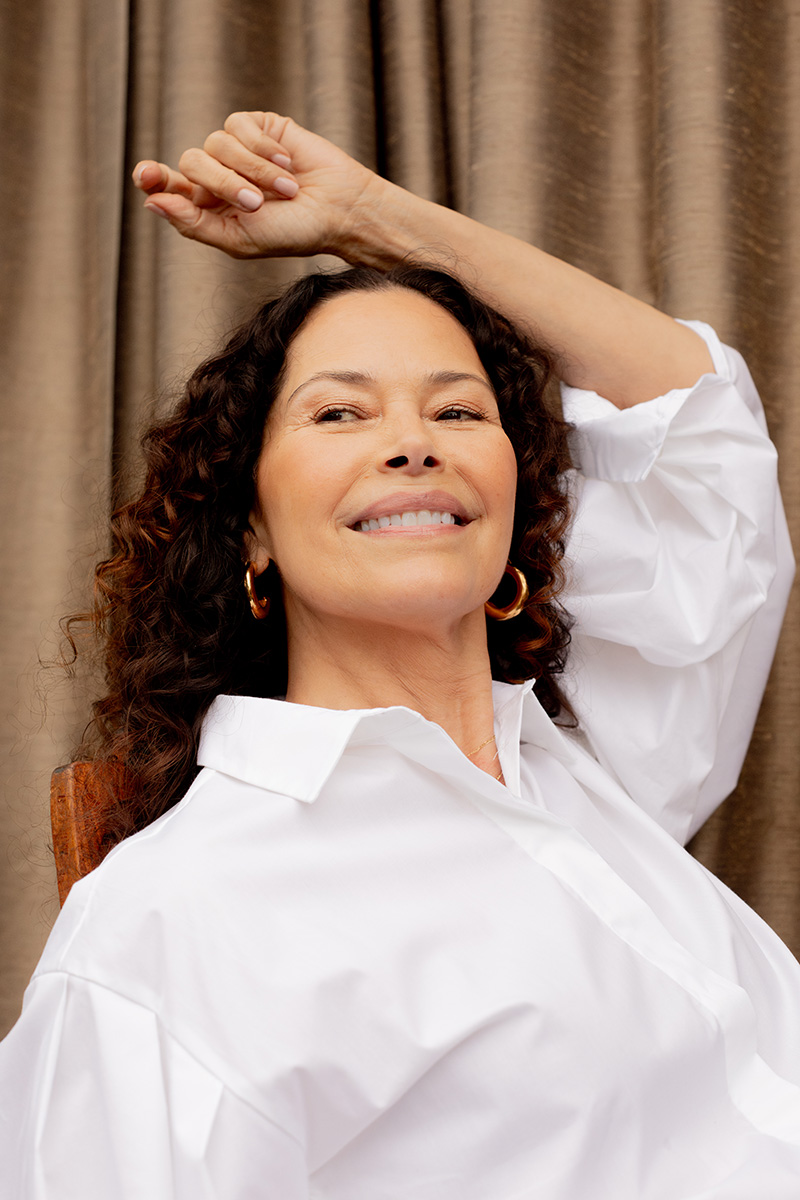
407,519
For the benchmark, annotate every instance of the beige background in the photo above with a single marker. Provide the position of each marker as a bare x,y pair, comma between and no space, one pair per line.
654,142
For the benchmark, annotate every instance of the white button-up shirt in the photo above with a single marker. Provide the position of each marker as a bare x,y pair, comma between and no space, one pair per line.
349,965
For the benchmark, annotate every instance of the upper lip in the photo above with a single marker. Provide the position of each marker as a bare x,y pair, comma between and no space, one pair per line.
400,502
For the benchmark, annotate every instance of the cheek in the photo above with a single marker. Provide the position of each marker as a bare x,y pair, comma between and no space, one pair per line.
501,472
277,502
297,491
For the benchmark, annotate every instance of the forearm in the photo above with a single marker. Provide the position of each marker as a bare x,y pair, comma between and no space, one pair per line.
602,338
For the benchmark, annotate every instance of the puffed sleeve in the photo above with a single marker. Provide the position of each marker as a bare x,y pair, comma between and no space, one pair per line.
97,1100
680,568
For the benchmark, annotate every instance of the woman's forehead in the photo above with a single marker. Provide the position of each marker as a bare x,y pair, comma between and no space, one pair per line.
392,330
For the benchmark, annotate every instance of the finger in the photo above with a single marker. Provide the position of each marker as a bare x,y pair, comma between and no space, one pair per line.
229,150
230,172
207,172
151,176
156,178
250,128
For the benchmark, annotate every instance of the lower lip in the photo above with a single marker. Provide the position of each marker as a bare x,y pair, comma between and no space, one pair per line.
412,531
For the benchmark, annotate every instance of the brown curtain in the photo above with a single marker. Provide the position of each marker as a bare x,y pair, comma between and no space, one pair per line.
653,142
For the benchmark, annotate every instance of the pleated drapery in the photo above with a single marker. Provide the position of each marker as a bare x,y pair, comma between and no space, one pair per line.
655,143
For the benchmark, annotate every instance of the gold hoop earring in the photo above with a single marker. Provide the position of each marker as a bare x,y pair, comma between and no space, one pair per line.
517,604
258,607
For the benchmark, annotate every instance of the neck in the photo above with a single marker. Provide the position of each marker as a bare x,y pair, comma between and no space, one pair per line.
444,675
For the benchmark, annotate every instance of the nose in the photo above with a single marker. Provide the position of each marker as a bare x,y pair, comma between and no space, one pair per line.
412,449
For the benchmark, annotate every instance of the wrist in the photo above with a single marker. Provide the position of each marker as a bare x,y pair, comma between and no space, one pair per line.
385,226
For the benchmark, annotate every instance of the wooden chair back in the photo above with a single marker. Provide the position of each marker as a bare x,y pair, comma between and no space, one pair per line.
81,795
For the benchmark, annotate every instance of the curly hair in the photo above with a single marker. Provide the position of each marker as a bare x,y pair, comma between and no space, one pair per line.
170,611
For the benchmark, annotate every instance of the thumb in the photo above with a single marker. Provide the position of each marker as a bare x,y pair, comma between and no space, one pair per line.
199,224
181,213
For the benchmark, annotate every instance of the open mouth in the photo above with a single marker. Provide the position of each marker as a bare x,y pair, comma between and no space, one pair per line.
409,520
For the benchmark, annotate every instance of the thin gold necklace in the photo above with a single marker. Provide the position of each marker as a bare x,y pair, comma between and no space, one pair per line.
497,755
499,774
477,748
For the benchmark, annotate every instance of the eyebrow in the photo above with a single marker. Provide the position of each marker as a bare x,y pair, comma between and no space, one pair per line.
362,379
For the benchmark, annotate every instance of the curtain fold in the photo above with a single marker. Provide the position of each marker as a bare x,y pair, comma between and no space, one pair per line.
64,103
653,142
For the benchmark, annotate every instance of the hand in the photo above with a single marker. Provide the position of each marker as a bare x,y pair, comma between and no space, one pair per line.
263,186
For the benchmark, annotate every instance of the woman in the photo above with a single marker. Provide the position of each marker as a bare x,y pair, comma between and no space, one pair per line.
414,930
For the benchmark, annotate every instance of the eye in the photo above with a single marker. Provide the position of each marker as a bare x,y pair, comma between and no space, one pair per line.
455,412
335,413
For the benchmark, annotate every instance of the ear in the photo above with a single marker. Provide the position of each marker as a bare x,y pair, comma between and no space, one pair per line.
256,543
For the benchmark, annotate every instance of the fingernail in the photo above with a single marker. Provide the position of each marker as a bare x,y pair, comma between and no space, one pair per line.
140,173
282,160
249,200
286,187
154,208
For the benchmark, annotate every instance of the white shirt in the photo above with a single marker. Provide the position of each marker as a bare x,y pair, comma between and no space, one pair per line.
349,965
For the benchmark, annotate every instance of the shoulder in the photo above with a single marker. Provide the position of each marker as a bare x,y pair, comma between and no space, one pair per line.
170,899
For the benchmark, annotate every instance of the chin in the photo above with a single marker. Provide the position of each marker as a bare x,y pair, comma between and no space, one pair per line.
416,614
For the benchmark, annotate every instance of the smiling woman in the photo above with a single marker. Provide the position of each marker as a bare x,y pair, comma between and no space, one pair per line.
383,435
406,910
353,394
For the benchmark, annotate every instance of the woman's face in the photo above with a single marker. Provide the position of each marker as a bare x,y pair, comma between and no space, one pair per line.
386,484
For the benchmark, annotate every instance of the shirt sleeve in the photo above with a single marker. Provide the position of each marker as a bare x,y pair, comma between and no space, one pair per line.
97,1100
680,568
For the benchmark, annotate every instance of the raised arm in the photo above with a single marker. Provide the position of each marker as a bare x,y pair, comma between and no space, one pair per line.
265,186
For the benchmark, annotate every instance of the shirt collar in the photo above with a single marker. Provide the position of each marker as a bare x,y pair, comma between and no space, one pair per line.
293,749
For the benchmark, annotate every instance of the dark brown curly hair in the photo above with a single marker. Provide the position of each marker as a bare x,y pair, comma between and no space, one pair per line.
170,611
